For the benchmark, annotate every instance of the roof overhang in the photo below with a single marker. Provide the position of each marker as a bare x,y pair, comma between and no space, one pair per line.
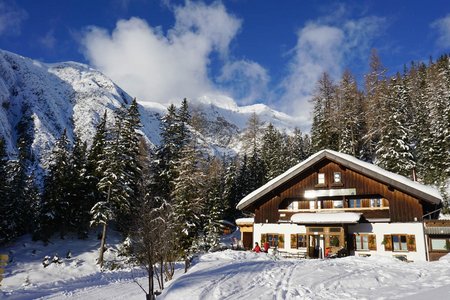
326,218
245,221
399,182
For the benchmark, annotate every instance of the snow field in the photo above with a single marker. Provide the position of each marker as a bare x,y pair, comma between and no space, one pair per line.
221,275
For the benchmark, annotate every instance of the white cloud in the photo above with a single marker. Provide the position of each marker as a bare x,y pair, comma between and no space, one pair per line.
49,40
443,29
11,18
164,67
246,80
323,47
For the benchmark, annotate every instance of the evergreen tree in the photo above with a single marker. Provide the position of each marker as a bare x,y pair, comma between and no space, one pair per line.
296,148
272,153
81,199
216,204
5,230
56,206
230,193
189,201
394,152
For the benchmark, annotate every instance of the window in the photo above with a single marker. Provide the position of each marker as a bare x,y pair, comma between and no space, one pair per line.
354,203
337,177
298,241
316,229
376,202
365,242
321,178
399,242
334,241
338,204
440,244
274,239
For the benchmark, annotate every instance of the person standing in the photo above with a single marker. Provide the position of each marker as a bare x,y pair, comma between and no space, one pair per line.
257,249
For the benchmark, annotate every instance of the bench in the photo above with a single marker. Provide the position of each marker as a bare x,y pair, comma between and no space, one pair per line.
286,254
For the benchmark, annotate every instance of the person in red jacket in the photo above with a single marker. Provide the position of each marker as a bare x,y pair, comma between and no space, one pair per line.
257,249
266,247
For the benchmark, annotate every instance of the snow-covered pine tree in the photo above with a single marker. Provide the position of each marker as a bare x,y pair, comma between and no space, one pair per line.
323,133
56,206
394,152
231,188
81,197
272,154
436,153
114,183
5,231
256,171
166,156
96,154
421,122
216,204
295,147
188,198
129,140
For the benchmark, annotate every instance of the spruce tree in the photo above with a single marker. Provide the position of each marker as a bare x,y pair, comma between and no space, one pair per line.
56,206
272,154
394,152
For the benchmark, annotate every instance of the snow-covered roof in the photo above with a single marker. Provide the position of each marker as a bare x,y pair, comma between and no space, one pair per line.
326,218
243,221
425,192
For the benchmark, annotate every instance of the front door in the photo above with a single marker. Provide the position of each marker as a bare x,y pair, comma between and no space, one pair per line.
316,246
247,240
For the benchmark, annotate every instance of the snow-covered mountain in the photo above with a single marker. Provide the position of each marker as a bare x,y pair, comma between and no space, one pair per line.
44,99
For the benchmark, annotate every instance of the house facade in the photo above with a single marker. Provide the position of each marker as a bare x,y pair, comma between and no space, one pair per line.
335,203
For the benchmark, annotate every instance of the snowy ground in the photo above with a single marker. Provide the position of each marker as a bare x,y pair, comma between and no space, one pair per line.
221,275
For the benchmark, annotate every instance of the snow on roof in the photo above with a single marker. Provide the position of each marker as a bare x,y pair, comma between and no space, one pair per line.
243,221
397,181
326,218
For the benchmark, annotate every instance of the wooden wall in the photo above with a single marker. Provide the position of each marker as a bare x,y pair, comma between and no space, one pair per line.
402,207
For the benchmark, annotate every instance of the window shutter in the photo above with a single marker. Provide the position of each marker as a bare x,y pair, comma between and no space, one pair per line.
293,241
281,241
351,242
372,242
411,242
263,238
387,241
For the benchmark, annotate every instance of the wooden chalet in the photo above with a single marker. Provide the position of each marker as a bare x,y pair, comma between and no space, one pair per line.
335,204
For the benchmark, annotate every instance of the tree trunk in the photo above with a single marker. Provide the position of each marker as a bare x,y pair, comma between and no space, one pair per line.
102,244
161,273
102,247
151,288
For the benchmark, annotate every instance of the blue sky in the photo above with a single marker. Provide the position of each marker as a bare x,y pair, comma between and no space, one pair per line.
247,50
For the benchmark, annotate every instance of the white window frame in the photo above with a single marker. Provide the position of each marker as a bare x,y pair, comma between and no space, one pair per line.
321,178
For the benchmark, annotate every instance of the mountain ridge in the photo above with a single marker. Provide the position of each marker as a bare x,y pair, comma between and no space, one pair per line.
42,99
